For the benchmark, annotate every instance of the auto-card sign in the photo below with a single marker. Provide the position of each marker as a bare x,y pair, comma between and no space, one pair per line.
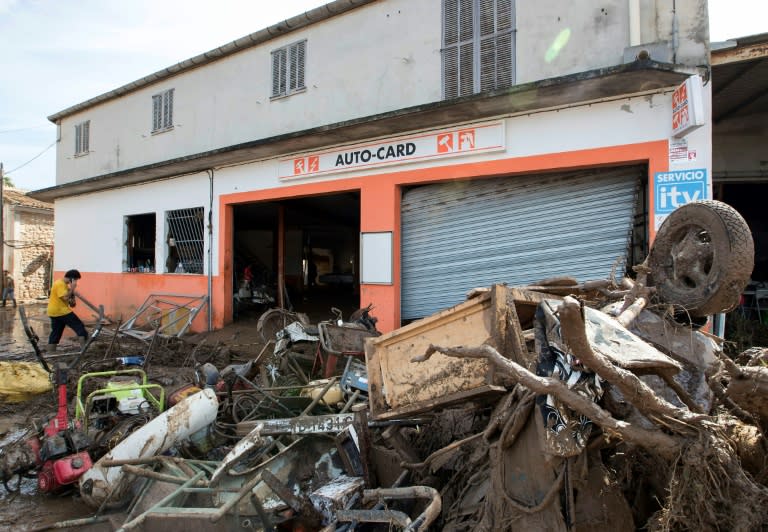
456,142
675,188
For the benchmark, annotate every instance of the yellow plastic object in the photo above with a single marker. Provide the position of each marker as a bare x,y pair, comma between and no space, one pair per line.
21,381
331,397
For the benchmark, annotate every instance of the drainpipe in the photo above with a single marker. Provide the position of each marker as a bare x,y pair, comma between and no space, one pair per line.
210,249
634,22
675,32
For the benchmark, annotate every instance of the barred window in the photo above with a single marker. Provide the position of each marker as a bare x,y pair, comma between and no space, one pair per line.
162,111
185,244
478,46
82,137
288,69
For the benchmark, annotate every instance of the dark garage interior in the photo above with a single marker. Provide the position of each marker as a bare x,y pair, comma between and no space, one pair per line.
320,255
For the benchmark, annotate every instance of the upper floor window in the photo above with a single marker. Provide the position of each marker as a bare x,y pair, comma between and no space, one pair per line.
288,69
478,46
162,111
82,137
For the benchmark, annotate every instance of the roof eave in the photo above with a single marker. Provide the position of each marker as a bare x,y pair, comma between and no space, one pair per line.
638,77
303,20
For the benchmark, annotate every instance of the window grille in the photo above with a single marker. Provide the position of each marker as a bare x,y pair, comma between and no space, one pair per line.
478,46
162,111
288,65
185,240
82,137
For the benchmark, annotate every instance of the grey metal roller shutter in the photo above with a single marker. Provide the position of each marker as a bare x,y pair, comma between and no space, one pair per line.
517,230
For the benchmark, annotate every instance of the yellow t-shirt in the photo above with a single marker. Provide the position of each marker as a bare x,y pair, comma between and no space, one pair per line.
57,302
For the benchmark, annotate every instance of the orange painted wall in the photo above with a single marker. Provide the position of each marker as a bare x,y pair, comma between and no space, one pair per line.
123,293
380,197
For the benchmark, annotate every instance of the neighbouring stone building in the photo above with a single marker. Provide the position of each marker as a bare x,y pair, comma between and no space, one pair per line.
28,235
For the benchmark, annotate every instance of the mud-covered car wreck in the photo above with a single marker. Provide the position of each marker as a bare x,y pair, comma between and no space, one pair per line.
564,405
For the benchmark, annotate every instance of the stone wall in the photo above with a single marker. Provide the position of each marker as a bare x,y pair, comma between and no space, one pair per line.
33,254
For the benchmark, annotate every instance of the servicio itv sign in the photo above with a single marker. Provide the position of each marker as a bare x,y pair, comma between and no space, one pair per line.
673,189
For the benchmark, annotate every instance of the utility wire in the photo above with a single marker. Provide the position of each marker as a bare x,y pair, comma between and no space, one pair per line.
16,130
51,145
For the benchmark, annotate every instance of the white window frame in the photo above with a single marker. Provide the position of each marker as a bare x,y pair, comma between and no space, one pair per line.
289,69
82,138
162,111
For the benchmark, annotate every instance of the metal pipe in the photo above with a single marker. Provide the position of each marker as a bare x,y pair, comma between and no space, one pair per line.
72,523
155,475
374,516
281,256
248,486
175,493
430,513
634,23
2,225
675,32
210,249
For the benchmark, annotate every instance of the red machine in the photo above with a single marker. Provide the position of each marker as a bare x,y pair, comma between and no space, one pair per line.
58,453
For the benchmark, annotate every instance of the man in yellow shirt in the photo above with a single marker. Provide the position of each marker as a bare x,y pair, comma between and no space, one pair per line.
60,304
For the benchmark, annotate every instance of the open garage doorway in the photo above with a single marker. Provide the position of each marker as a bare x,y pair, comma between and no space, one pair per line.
301,252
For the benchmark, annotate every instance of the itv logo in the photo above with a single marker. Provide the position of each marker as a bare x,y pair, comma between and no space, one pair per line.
673,189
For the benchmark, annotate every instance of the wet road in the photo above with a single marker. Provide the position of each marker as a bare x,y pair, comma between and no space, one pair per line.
13,341
28,509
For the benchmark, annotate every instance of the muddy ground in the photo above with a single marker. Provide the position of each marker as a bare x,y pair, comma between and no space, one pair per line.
27,509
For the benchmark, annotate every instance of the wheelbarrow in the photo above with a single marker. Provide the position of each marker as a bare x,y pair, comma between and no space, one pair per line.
339,341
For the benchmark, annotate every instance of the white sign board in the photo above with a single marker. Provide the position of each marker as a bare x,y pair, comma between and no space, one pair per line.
460,141
376,258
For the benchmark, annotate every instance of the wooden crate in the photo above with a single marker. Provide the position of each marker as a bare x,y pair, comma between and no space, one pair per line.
399,387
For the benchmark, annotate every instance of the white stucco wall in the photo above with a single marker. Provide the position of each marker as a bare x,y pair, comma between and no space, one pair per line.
378,58
381,57
89,229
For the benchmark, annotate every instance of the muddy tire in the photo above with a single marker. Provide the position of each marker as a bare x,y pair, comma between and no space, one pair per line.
702,258
273,321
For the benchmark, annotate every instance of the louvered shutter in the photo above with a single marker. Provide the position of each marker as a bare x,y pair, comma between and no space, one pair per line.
478,46
78,137
168,109
293,60
278,72
86,136
300,63
296,54
157,112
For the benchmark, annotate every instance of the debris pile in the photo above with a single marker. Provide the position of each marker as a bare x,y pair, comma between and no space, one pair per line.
557,406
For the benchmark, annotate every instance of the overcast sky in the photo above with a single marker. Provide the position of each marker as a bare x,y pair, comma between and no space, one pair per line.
56,53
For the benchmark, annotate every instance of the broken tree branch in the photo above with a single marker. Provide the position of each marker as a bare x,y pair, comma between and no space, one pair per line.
634,390
663,444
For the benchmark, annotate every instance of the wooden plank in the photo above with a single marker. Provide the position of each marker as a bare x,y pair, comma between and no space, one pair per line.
480,393
405,383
